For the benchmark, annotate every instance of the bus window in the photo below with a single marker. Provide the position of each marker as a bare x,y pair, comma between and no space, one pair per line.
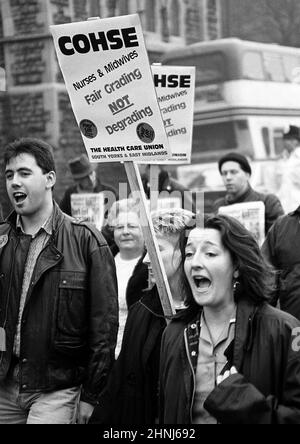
214,137
252,66
273,67
210,68
276,146
291,66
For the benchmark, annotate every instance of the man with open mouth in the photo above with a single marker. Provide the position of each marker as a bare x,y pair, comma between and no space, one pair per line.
236,173
58,304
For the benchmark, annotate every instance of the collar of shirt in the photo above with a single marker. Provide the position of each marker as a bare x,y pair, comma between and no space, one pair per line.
205,332
231,200
47,225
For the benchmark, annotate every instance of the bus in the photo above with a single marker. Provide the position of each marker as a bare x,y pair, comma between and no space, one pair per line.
246,96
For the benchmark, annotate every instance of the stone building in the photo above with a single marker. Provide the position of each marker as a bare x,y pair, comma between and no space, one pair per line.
36,103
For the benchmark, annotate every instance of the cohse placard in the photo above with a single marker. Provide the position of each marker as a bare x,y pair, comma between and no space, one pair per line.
108,77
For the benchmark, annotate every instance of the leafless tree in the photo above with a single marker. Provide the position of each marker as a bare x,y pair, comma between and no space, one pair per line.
276,21
282,21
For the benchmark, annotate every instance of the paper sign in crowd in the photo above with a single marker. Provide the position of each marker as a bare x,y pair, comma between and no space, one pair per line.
88,207
251,215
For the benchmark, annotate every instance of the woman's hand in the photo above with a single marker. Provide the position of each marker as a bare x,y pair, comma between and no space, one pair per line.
226,374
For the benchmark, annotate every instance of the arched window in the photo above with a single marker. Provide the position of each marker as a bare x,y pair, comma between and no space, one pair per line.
124,7
95,8
150,12
175,17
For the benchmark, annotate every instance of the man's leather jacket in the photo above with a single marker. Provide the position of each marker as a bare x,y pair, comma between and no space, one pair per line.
70,319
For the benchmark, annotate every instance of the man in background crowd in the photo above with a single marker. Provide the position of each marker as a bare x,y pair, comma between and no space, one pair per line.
282,250
289,191
291,140
86,181
236,172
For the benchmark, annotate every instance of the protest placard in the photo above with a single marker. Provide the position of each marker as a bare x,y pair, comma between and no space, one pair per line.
175,89
108,77
88,207
251,215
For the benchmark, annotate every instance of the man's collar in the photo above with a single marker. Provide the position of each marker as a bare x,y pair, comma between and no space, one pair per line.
239,198
47,226
58,218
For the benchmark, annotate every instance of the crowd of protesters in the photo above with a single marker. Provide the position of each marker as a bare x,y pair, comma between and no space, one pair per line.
83,333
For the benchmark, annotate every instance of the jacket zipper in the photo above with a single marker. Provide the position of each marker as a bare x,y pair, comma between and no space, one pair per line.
193,373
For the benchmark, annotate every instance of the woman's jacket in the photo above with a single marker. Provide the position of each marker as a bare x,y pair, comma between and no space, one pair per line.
266,353
131,396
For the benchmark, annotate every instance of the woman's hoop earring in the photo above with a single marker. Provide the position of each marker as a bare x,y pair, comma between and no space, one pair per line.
235,285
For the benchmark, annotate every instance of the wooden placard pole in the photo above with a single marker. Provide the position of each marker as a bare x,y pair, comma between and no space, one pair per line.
154,191
162,283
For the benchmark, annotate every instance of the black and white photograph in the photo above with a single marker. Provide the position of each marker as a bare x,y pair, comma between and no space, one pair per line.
149,215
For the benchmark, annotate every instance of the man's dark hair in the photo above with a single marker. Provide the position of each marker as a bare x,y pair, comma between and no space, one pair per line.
40,150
